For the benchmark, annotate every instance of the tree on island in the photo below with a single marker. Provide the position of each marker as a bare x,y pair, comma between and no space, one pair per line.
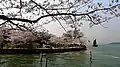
72,35
32,15
24,39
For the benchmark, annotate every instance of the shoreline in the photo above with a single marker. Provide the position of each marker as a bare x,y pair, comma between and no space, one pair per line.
41,50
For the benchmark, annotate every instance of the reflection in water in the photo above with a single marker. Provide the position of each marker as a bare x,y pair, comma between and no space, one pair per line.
103,56
69,59
18,60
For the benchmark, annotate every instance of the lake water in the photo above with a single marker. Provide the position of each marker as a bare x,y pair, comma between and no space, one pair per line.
103,56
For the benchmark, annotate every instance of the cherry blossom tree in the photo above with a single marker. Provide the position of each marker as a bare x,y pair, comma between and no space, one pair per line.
24,14
32,15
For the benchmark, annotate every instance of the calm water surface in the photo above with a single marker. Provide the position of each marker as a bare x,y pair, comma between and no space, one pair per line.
103,56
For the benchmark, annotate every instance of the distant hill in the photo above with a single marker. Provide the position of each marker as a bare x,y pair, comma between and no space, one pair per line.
114,43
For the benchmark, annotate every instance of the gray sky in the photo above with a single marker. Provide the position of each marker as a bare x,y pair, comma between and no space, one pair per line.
103,35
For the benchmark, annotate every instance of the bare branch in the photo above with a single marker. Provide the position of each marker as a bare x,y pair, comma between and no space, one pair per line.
3,23
38,5
3,17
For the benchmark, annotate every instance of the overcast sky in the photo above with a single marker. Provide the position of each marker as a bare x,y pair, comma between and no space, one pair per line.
103,35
